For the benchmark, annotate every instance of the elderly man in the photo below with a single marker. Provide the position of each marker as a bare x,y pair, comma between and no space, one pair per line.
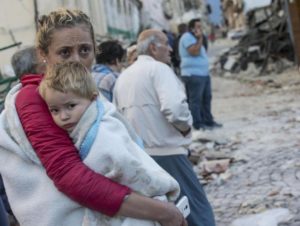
152,98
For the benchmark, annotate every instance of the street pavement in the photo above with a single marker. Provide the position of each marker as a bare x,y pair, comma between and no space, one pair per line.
262,133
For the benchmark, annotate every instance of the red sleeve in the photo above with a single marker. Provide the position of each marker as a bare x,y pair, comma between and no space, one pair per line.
61,159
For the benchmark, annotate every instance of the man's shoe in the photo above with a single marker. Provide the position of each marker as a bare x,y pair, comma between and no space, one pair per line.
213,125
207,127
200,128
217,125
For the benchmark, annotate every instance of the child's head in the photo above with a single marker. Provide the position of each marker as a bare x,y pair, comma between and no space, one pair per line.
68,89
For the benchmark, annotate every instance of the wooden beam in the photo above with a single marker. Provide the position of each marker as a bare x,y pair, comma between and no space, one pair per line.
294,11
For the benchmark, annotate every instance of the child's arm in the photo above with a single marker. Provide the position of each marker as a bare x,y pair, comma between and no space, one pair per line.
61,160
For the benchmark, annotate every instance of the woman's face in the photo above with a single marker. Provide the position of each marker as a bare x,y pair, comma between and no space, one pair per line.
71,44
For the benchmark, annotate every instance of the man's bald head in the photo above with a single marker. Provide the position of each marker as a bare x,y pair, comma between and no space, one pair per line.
154,43
146,38
148,33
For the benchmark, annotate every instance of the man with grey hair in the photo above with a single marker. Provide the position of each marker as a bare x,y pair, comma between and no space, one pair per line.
153,100
26,61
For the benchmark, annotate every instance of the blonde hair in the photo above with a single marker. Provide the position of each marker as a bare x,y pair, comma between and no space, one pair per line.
69,77
58,19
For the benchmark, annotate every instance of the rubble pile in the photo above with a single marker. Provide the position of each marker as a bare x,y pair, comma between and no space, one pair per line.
212,156
265,47
233,13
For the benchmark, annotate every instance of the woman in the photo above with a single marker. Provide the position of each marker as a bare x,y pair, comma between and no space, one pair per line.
108,67
63,35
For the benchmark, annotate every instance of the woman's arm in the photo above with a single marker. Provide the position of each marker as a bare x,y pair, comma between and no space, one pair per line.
165,213
63,165
61,159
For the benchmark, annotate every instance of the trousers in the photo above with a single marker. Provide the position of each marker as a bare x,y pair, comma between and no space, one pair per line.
198,90
3,214
180,167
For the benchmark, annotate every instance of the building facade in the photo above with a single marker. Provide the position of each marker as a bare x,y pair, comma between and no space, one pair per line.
16,25
112,19
184,11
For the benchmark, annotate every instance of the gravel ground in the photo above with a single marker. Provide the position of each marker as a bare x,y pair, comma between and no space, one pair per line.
261,118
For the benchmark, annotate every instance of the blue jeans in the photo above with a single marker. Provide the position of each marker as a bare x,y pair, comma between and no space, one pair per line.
3,215
180,167
198,90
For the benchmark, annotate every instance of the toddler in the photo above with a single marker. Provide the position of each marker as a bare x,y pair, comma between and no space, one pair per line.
91,121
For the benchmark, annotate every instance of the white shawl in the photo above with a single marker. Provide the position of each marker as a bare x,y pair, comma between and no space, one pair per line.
33,196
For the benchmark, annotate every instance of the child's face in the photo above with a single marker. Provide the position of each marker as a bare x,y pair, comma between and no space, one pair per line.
66,108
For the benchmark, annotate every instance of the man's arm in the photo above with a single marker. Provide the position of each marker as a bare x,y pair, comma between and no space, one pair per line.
194,50
172,99
193,42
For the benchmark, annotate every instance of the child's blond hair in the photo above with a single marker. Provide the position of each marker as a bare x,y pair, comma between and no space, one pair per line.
69,77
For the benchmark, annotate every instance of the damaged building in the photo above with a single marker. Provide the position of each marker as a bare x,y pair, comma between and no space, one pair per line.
270,44
233,13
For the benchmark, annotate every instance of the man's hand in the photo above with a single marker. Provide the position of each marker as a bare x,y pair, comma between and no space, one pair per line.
198,33
186,132
194,50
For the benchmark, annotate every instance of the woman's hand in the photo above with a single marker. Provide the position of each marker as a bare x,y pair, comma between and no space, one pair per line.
141,207
173,217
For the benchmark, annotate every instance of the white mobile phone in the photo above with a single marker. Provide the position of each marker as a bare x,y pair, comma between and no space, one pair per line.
184,206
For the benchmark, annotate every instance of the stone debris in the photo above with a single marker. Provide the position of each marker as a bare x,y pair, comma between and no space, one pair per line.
217,155
274,192
297,119
233,13
211,155
214,166
271,217
264,47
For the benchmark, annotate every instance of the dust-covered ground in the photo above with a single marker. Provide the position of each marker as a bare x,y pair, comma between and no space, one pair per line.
261,137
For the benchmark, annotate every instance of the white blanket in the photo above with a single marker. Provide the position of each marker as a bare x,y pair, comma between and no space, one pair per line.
32,195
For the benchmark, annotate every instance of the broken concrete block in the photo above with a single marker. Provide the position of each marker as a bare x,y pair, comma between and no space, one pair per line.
230,63
270,217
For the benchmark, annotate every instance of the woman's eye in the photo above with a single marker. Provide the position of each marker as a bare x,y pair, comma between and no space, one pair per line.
65,53
85,50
